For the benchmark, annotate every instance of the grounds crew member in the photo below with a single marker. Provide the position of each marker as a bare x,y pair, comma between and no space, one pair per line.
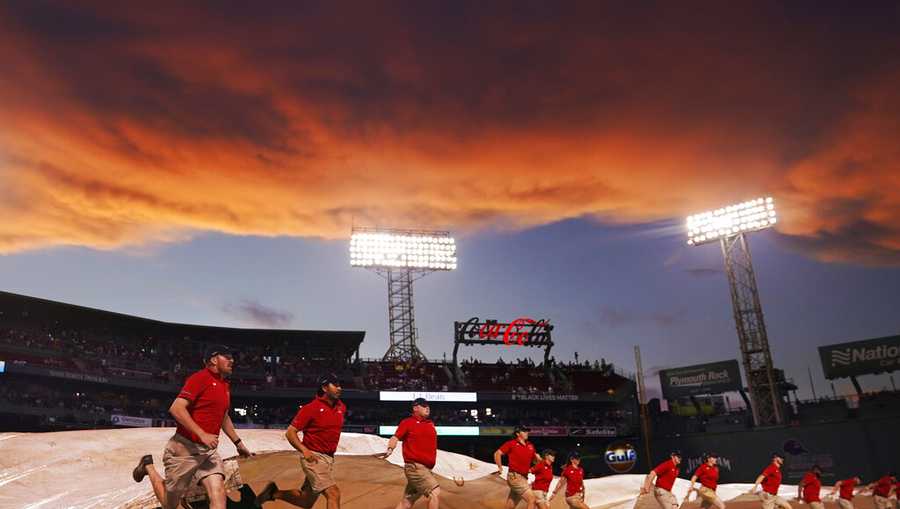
191,456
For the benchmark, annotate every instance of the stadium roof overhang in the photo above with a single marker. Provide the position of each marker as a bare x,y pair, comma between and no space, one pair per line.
25,310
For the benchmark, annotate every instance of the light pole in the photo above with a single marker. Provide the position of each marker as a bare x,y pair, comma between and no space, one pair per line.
729,227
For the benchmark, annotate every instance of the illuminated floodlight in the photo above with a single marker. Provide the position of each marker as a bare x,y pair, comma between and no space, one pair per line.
402,249
749,216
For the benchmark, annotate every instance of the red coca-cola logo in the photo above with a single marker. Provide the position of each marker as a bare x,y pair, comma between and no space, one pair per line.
519,331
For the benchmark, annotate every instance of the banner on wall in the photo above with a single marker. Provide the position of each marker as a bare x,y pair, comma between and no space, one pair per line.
711,378
128,420
868,357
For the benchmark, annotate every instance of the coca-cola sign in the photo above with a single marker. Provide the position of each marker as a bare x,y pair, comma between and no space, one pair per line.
522,331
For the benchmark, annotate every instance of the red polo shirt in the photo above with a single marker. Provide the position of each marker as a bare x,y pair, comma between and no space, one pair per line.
520,456
883,486
666,472
812,486
847,486
209,397
543,476
419,437
321,424
708,475
771,479
574,479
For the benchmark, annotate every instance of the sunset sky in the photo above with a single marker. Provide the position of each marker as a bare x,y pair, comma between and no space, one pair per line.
204,163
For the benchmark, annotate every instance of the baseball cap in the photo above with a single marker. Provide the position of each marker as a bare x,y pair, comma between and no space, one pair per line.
520,427
676,452
574,455
212,350
329,378
712,455
420,402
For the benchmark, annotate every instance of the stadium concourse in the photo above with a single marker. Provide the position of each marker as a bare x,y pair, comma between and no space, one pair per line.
92,469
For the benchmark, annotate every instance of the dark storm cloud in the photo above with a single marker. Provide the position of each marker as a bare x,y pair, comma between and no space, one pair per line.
300,118
258,314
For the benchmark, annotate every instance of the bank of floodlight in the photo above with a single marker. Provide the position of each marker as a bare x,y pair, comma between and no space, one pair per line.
403,249
749,216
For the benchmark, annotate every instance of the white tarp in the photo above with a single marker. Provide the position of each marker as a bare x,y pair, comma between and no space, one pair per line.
92,469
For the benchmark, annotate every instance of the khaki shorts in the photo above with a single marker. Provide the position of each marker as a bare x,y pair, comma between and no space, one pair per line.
769,501
816,505
882,502
319,475
187,463
708,496
665,498
574,500
420,482
844,503
518,486
540,497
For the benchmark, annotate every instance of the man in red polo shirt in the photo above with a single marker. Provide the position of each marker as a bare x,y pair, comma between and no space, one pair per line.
321,421
708,475
543,476
771,481
881,489
191,456
419,437
665,474
522,455
846,490
572,477
810,488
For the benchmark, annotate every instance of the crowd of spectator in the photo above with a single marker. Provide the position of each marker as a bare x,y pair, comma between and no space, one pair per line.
89,404
169,360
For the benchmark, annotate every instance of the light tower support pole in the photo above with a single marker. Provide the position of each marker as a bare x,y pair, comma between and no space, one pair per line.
751,330
401,314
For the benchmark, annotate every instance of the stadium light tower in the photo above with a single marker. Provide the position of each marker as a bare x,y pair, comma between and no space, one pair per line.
729,226
401,257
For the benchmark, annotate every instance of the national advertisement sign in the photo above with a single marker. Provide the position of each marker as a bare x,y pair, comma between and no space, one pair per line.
712,378
871,356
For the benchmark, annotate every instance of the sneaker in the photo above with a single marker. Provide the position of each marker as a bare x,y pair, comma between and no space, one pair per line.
141,469
267,494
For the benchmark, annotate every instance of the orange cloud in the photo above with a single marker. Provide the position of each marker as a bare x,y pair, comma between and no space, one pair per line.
127,127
